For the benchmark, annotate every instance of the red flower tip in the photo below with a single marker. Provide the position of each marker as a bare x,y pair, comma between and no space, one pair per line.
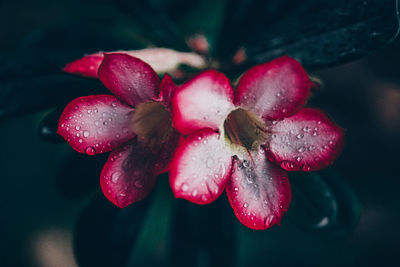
86,66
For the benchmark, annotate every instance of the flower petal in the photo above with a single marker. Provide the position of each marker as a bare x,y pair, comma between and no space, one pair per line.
165,152
307,141
129,78
259,192
275,89
86,66
96,124
167,89
160,59
203,102
128,176
201,167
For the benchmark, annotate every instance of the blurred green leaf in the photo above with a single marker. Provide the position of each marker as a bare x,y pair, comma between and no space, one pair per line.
317,33
323,202
105,234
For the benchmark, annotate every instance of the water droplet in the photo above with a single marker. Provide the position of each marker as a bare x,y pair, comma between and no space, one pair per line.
301,149
274,122
311,148
298,158
306,129
77,127
80,140
185,187
90,151
122,194
299,136
205,141
95,110
89,111
115,177
62,125
138,184
125,130
246,164
105,122
76,107
315,134
236,189
210,162
331,142
245,205
205,118
273,136
194,193
319,122
85,133
114,104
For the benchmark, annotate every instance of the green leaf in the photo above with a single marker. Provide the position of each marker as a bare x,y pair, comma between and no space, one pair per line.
323,202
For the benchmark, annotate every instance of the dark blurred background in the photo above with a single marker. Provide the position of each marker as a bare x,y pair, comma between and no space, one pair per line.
50,200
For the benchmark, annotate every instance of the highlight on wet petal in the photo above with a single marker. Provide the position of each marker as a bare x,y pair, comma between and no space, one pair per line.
203,102
128,175
258,191
275,89
96,124
86,66
306,141
200,168
162,60
129,78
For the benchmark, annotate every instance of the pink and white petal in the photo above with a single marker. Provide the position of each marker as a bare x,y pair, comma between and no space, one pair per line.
275,89
96,124
164,60
201,167
167,89
203,102
129,78
128,176
86,66
160,59
307,141
166,152
259,191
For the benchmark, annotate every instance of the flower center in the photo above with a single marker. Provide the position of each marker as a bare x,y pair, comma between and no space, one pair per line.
245,129
152,123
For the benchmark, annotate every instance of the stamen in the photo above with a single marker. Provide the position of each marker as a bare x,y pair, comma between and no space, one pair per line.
245,129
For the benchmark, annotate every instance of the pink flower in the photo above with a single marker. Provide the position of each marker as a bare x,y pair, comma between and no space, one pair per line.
135,125
245,140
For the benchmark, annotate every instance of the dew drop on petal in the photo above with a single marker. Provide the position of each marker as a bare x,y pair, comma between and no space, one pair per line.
245,205
210,162
301,149
115,177
77,127
185,187
85,133
90,151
